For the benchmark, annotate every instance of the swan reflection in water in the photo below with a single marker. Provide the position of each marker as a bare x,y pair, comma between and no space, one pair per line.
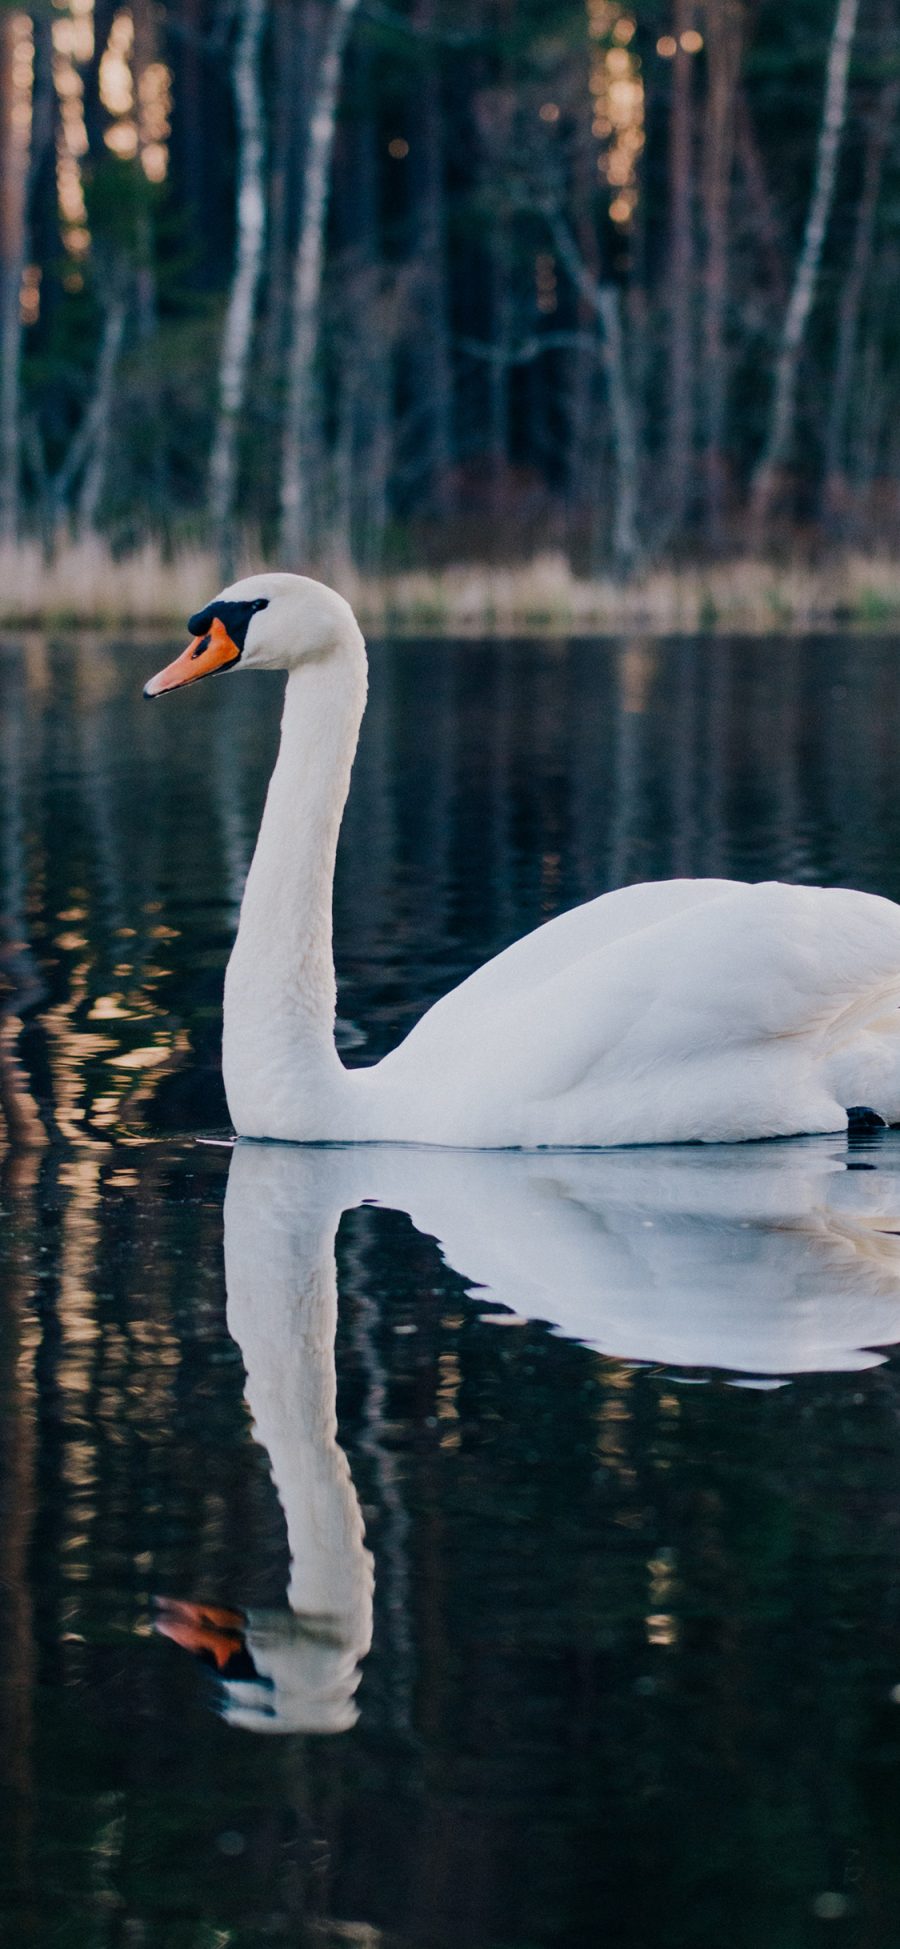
762,1261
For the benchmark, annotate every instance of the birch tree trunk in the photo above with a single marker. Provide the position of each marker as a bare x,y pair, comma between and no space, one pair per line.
294,49
723,55
38,140
296,500
681,263
494,115
251,227
431,341
98,425
604,302
765,222
15,126
498,403
87,454
881,129
583,473
376,310
784,401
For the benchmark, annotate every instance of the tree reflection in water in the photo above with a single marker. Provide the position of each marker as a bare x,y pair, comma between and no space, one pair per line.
633,1640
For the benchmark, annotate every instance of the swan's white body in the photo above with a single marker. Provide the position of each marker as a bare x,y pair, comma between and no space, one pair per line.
681,1010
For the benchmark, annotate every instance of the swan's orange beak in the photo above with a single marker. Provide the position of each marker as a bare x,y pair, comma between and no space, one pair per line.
211,1633
202,658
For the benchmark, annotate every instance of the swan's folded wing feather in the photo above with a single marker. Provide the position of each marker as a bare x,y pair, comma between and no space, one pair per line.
558,944
720,1015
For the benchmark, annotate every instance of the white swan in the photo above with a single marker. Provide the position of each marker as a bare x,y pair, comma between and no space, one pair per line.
677,1010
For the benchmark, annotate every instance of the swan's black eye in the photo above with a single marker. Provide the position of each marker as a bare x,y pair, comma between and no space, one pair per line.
235,616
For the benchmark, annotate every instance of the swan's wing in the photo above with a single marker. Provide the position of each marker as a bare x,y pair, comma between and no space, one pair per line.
738,1013
558,944
525,968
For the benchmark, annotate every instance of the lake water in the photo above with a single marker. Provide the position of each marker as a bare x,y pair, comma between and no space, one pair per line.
581,1624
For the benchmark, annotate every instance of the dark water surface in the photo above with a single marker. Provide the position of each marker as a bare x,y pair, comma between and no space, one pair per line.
613,1525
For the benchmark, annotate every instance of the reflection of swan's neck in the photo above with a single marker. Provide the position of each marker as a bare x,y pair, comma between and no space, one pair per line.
278,1041
282,1310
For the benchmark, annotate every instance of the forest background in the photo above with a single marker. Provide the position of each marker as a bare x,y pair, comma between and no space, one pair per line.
607,291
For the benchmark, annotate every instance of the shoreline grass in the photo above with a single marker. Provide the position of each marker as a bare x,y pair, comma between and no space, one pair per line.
84,583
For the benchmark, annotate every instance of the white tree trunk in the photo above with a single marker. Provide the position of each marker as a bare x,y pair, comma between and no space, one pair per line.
681,359
296,499
880,136
99,416
724,33
784,400
88,450
603,299
251,229
14,153
431,341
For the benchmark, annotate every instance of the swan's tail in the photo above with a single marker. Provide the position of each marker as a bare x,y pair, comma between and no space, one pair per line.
863,1059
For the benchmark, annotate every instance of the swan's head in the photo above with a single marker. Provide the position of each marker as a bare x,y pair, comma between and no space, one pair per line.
265,622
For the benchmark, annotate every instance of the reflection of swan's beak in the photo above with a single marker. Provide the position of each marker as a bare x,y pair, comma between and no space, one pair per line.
215,1635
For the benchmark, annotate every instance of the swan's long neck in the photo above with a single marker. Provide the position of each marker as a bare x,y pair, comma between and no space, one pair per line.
279,1057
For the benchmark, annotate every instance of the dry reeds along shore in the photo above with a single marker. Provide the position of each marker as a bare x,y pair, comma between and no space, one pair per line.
84,582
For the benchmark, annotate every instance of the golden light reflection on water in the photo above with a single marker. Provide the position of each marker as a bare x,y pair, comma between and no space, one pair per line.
19,1346
661,1629
148,1058
68,1047
447,1399
104,1042
79,1333
614,1424
74,1384
22,1123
